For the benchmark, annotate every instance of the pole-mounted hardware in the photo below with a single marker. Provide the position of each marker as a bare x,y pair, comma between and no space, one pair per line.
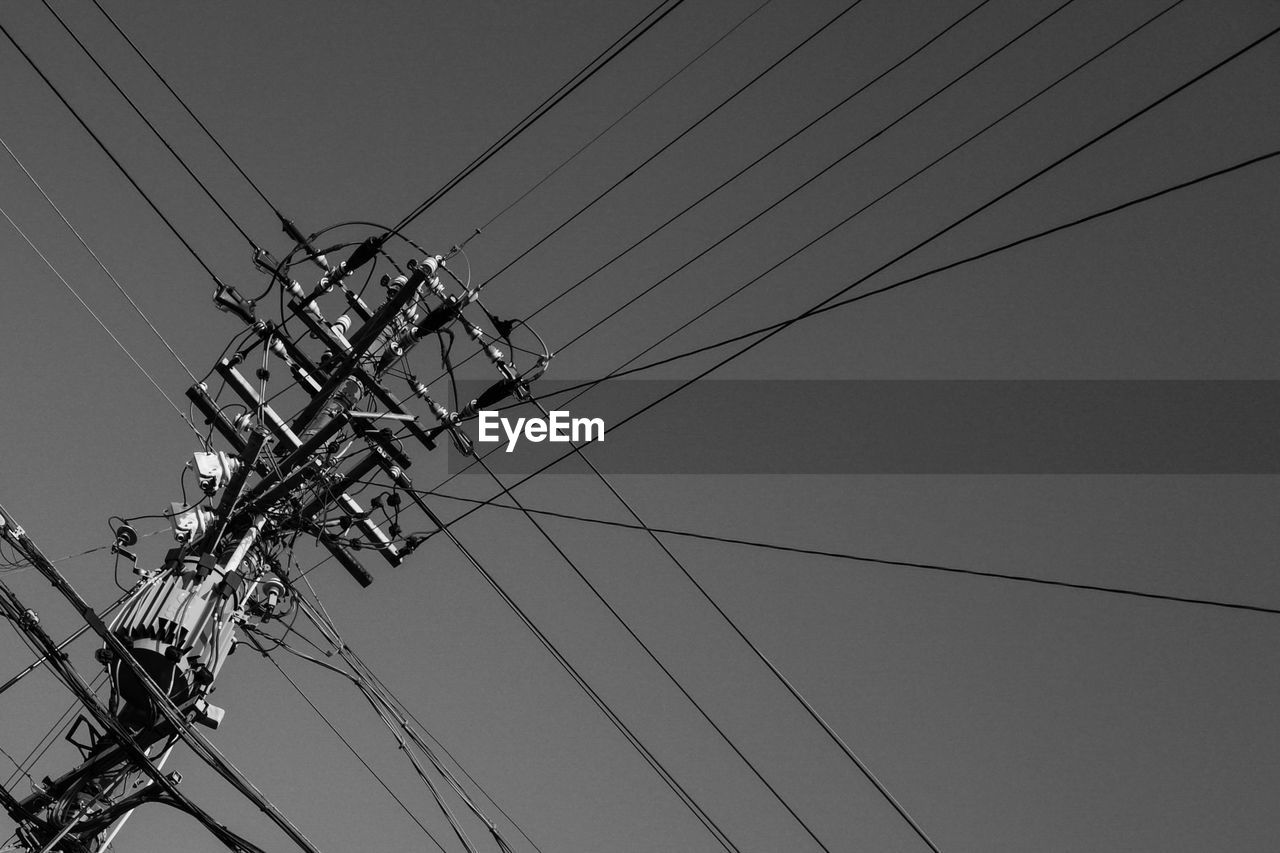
304,420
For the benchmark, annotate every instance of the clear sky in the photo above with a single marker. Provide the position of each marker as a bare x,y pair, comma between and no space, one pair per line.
1003,716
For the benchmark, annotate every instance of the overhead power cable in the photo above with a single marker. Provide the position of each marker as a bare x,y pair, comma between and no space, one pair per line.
779,327
808,707
789,194
813,712
681,135
822,307
129,177
685,324
861,558
671,782
857,761
968,259
51,736
1252,161
934,567
971,214
371,685
621,620
386,707
190,113
19,769
459,832
792,192
158,135
620,371
71,638
636,244
637,105
101,265
604,58
857,91
946,154
402,708
254,640
104,326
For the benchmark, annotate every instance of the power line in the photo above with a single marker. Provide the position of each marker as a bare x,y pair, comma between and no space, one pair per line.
953,149
857,91
861,88
189,112
785,324
94,550
772,329
183,163
392,719
813,712
744,87
101,265
380,696
604,58
373,688
616,373
972,213
166,145
19,768
50,737
35,664
808,707
830,166
930,272
653,761
829,306
104,326
382,686
653,656
842,303
181,239
345,742
861,558
795,693
593,140
421,772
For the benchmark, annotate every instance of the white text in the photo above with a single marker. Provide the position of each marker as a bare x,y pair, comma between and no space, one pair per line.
557,427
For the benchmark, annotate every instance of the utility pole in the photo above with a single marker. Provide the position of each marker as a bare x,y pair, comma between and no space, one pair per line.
279,478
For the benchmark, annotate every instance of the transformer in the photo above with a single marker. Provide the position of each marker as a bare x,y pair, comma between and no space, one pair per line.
181,629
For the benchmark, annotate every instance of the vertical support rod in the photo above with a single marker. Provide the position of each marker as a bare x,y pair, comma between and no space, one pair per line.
119,824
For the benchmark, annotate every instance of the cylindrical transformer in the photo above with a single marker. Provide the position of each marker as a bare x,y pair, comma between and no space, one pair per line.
180,630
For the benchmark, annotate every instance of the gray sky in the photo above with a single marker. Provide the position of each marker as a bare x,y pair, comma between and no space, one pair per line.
1003,716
